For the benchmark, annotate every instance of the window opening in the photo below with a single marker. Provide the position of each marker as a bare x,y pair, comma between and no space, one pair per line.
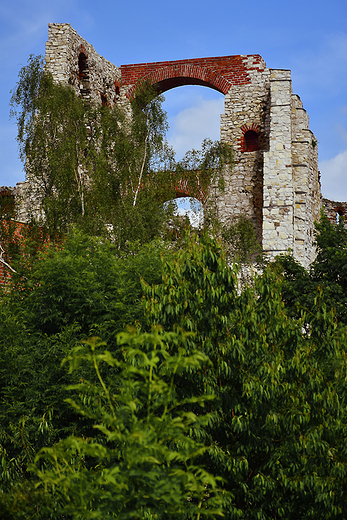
83,70
339,214
251,141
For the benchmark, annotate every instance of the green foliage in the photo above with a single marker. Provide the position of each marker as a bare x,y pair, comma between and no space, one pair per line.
141,461
197,292
52,134
88,287
330,265
88,165
279,423
87,282
327,277
275,430
208,163
9,243
253,391
240,241
26,96
123,149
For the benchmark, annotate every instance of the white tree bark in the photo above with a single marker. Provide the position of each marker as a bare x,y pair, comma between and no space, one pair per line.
141,172
2,251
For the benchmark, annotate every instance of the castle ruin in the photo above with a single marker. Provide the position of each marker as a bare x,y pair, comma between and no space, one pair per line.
274,180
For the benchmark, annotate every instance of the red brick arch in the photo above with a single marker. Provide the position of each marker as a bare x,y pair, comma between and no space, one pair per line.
182,189
217,73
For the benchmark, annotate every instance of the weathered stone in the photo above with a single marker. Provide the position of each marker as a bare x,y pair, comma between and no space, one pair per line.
274,180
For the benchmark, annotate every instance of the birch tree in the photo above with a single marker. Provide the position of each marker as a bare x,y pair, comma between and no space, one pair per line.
88,165
99,168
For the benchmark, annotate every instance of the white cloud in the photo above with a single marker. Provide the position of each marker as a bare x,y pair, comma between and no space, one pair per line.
191,125
334,177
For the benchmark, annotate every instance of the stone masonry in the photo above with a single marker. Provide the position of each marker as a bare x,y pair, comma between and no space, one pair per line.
73,61
274,180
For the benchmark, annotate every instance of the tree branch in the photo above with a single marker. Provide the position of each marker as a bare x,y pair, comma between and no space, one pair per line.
142,168
2,251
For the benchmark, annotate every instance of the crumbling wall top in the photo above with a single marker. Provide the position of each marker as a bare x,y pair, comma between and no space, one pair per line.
74,61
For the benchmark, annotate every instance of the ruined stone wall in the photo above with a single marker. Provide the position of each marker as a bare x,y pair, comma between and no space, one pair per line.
307,192
73,61
277,173
246,110
335,210
27,202
292,198
277,184
274,180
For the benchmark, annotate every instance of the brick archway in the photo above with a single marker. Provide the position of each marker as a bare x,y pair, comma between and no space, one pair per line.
217,73
277,183
183,190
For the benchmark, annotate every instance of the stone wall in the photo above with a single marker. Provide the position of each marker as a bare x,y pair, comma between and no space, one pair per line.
274,180
246,111
334,210
307,191
73,61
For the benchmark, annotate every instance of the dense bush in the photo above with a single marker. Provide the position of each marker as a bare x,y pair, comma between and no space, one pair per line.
256,390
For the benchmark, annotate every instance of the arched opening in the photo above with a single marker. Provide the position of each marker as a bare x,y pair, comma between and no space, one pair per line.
251,141
193,115
187,209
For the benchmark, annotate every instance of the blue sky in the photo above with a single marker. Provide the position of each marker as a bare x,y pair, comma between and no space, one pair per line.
307,37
